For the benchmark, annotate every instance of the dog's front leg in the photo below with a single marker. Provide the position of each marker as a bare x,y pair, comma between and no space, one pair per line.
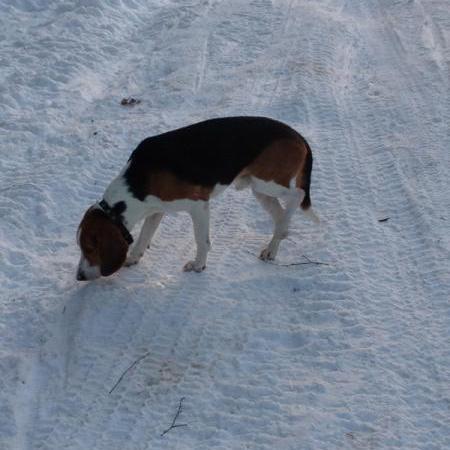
148,230
200,219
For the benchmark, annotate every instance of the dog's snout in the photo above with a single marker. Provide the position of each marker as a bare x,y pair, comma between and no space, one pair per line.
81,276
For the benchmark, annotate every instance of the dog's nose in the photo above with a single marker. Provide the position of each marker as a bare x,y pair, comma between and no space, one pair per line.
81,276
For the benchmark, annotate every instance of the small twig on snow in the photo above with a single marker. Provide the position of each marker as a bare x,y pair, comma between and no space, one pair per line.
308,261
174,424
130,101
384,220
129,368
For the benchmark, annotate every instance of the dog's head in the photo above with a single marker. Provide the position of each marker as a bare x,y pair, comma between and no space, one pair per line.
103,247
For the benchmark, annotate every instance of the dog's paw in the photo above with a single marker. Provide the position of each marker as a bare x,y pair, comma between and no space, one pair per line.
132,260
192,266
267,255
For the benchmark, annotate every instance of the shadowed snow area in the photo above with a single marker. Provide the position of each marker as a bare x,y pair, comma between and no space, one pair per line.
350,355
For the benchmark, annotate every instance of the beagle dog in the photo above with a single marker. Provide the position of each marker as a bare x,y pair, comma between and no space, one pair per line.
182,170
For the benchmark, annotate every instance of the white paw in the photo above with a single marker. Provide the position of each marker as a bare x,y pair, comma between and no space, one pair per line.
132,260
192,266
267,255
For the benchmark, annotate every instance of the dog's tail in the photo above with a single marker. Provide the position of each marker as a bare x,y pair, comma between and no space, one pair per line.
305,184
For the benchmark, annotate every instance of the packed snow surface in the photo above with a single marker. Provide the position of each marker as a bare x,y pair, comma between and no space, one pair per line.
354,354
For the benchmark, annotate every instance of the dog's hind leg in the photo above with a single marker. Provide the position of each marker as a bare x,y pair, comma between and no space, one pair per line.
281,218
148,230
200,219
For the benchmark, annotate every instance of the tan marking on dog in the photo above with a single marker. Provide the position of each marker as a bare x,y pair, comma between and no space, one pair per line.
168,187
281,162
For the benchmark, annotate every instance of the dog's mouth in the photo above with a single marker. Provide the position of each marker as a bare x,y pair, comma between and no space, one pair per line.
87,272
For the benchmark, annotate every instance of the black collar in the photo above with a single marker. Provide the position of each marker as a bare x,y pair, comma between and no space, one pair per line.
116,219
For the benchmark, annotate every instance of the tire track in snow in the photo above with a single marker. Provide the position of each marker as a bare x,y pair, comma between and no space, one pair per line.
101,174
387,187
203,52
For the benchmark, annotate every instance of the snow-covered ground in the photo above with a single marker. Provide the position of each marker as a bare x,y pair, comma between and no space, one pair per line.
350,355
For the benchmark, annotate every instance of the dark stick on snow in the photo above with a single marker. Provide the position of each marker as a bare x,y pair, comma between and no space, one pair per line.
308,261
129,368
317,263
174,424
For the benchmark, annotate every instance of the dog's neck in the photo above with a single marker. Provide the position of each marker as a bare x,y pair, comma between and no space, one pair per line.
135,210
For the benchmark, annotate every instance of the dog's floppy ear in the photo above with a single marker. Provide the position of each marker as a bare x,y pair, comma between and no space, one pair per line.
113,250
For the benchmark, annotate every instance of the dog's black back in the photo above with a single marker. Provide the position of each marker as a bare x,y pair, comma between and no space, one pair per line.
207,153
